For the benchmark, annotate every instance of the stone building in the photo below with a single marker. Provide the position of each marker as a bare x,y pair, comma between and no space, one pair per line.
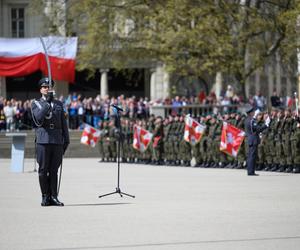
146,80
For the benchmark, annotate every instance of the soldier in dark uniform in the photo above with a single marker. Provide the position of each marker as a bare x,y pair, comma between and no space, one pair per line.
252,132
52,140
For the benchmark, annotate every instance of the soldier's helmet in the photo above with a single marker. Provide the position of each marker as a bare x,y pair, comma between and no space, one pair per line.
45,82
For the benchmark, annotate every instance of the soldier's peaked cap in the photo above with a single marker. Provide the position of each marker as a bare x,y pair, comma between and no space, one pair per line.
249,109
45,82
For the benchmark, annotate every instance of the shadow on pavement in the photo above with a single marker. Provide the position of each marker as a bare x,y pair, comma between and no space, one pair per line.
97,204
183,243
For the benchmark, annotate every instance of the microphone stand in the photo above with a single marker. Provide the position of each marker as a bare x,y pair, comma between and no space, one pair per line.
120,138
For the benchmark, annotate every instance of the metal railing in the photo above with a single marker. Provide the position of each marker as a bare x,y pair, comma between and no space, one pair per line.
195,110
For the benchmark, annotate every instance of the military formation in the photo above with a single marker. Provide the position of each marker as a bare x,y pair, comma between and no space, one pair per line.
279,149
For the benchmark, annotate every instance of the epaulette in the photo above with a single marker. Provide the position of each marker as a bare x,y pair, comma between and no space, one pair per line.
37,104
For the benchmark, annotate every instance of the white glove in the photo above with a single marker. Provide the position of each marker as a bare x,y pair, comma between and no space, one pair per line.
256,113
267,121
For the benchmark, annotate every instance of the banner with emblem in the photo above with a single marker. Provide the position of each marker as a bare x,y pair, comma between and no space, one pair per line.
193,130
141,138
231,139
90,135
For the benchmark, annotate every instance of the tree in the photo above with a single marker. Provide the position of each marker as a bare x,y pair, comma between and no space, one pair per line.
191,37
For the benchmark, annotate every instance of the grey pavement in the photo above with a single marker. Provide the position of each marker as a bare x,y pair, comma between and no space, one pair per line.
174,208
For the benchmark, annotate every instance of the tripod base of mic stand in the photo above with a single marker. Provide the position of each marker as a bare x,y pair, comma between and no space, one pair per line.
118,191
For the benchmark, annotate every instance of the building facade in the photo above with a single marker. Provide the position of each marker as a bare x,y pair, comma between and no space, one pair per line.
17,21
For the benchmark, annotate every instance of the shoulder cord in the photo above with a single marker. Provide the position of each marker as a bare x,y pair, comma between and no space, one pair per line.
251,125
47,117
33,117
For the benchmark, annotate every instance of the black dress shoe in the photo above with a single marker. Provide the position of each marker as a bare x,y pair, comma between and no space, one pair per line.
45,201
253,174
55,202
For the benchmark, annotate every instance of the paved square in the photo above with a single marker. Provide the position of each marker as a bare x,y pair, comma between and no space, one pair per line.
174,208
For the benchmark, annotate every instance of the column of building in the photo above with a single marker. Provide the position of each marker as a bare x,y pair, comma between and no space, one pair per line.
3,86
104,82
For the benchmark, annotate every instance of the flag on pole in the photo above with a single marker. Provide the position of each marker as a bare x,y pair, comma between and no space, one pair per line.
231,139
141,138
193,130
90,135
23,56
156,140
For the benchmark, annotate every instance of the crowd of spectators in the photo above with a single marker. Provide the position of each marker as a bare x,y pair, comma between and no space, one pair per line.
16,114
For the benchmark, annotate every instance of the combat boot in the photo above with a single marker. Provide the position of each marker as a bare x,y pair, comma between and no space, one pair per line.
259,166
269,167
274,168
289,169
187,164
240,165
214,165
198,164
235,164
296,169
221,164
282,168
207,164
228,165
202,165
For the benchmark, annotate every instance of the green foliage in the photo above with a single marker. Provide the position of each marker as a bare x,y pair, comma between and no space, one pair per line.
191,37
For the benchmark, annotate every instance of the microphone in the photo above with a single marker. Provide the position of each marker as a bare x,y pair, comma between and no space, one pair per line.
116,107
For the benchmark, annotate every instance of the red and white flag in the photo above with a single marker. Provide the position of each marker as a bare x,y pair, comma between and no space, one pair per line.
23,56
231,139
193,130
90,135
141,138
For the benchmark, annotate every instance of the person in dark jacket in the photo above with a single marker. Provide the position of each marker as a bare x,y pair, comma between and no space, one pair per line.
52,140
252,132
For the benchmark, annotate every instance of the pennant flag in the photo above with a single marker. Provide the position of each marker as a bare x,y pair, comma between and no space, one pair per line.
231,139
193,130
90,135
156,140
23,56
141,138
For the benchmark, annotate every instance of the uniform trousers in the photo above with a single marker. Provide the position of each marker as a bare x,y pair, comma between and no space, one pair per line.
49,158
251,159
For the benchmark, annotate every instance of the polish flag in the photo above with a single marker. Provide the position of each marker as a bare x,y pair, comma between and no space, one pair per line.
90,136
23,56
193,130
141,138
231,139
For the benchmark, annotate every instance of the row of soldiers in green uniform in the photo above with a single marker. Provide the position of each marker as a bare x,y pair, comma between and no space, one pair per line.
279,149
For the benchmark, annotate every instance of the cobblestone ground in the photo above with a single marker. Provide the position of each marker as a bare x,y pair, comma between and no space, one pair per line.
174,208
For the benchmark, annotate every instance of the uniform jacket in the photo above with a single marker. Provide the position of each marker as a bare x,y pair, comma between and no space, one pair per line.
50,129
252,130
